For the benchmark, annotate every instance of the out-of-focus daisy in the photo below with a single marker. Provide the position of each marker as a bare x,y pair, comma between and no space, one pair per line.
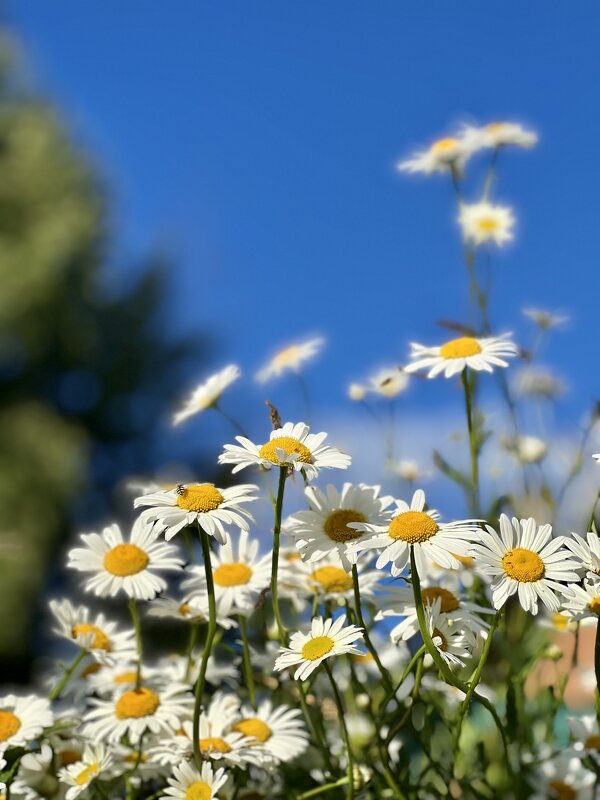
467,351
290,358
192,610
239,575
136,711
433,540
538,382
327,527
22,719
586,733
200,503
499,134
409,470
562,777
96,634
117,677
357,392
483,222
325,640
451,641
329,581
544,319
596,457
444,155
79,776
582,601
189,784
526,560
389,382
277,733
207,394
526,449
130,566
293,446
586,551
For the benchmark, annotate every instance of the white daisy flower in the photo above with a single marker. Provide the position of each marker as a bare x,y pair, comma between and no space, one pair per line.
326,529
526,560
545,320
453,643
467,351
239,576
203,503
125,566
526,449
22,719
499,134
444,155
483,222
207,394
582,601
389,382
290,358
562,777
357,392
433,541
587,553
193,610
330,581
293,446
586,733
96,634
136,711
78,776
120,677
189,784
218,671
278,734
325,640
538,382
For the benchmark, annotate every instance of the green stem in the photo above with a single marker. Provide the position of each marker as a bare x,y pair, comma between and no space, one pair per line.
387,680
56,692
275,558
342,718
247,661
208,645
322,789
194,630
472,441
138,640
232,420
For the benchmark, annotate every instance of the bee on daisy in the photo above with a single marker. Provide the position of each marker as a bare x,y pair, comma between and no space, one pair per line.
290,359
327,639
452,357
207,394
96,634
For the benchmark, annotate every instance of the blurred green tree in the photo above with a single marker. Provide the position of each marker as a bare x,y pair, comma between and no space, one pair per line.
83,367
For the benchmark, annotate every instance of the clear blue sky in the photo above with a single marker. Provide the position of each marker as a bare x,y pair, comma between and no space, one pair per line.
257,140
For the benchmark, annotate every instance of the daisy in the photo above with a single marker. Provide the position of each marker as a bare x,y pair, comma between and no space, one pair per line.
526,560
200,503
325,640
293,446
277,733
582,601
121,677
389,382
499,134
545,320
562,777
357,392
483,222
539,382
125,566
136,711
193,610
526,449
452,357
452,643
22,719
189,784
290,358
239,576
207,394
327,528
329,581
586,733
587,553
444,155
126,758
411,525
97,635
78,776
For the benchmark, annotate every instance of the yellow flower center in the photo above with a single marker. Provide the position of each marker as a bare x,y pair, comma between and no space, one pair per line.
488,224
125,677
254,729
449,601
336,525
362,658
317,647
234,574
287,356
214,744
184,609
125,559
9,725
523,565
594,606
289,445
201,497
466,561
460,348
198,790
136,704
92,669
87,774
413,527
559,790
443,146
495,127
560,622
443,646
332,579
593,742
100,640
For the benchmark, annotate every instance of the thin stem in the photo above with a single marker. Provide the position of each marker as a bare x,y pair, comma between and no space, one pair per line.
208,645
232,420
68,673
472,440
194,630
322,789
342,718
389,686
305,396
411,665
138,640
275,558
247,661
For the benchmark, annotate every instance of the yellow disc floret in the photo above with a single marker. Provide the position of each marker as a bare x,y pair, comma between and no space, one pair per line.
198,790
233,574
136,704
214,744
289,445
523,565
331,579
593,742
254,728
594,606
463,347
201,498
125,677
9,725
336,525
87,774
449,602
560,790
100,640
444,146
125,559
413,527
317,648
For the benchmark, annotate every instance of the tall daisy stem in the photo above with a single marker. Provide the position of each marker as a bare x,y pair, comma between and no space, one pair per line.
138,639
275,558
472,440
319,790
389,686
342,717
68,674
194,630
247,661
208,645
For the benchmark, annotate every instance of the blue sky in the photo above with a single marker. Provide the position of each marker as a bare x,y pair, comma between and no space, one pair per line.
257,142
